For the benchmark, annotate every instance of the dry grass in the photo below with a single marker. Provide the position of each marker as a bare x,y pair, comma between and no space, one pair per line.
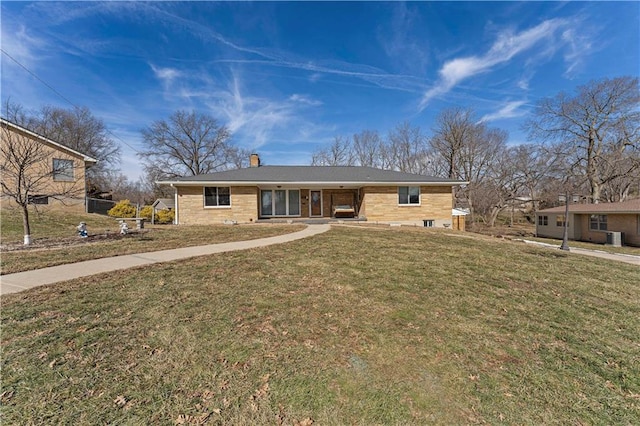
52,249
355,326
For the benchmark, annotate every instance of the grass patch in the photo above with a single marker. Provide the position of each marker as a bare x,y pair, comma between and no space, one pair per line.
152,238
354,326
50,224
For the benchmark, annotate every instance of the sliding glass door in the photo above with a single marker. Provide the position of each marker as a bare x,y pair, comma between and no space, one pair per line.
280,202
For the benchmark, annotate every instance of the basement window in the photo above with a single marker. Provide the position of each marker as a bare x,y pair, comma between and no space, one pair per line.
38,199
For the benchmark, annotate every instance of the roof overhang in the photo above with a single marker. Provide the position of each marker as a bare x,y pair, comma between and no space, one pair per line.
305,184
61,147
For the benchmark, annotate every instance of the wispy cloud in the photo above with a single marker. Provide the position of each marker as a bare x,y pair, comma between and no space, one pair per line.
304,99
503,49
578,46
399,41
508,110
21,44
165,75
279,58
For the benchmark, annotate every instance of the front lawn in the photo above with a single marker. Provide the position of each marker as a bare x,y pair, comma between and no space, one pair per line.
354,326
54,230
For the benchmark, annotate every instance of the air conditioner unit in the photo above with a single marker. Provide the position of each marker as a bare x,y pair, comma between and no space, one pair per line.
615,239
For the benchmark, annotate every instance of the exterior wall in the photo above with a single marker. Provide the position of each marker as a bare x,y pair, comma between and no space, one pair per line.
69,195
552,230
629,224
380,204
459,223
191,209
579,230
337,197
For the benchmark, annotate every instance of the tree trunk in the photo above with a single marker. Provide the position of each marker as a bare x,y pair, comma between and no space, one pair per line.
592,170
25,225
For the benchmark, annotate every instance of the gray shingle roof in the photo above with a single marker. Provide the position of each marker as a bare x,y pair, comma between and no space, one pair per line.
313,174
630,206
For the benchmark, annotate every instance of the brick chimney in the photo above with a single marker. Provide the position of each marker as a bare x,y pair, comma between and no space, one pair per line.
254,160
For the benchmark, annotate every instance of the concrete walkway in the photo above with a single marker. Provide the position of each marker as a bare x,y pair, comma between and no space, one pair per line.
12,283
618,257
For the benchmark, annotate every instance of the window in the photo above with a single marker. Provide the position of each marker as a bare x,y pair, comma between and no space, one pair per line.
280,202
408,195
38,199
62,169
217,196
598,222
560,220
543,220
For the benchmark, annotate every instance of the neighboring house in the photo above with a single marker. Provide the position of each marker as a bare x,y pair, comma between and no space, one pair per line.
163,204
592,222
51,174
265,192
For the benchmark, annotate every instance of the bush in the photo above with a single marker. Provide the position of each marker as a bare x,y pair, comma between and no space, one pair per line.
146,212
123,208
164,216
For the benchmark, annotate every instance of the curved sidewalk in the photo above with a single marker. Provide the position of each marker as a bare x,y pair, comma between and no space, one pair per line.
13,283
618,257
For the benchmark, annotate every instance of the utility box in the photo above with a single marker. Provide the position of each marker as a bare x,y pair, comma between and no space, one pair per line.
615,239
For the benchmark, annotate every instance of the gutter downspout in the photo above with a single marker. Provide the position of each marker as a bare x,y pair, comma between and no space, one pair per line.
175,202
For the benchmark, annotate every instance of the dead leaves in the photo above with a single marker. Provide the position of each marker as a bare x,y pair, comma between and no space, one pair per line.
122,402
186,419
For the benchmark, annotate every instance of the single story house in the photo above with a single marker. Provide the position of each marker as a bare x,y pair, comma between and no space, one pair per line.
266,192
592,222
43,172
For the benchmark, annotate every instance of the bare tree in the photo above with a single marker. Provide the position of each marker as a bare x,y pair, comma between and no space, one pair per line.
186,144
406,149
468,150
339,153
80,130
623,170
454,128
367,148
600,124
27,169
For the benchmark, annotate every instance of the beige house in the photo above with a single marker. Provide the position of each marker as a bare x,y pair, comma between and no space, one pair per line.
593,222
313,192
40,171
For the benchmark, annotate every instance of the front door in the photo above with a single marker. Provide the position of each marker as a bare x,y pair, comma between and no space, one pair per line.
316,203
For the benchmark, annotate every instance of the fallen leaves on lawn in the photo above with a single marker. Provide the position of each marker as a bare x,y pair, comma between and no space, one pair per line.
186,419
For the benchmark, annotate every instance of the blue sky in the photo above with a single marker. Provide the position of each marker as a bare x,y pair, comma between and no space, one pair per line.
286,77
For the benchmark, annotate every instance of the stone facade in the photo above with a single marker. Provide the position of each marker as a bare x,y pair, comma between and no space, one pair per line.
191,209
377,204
380,204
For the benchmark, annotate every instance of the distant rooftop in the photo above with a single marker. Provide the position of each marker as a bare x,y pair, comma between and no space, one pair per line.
630,206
